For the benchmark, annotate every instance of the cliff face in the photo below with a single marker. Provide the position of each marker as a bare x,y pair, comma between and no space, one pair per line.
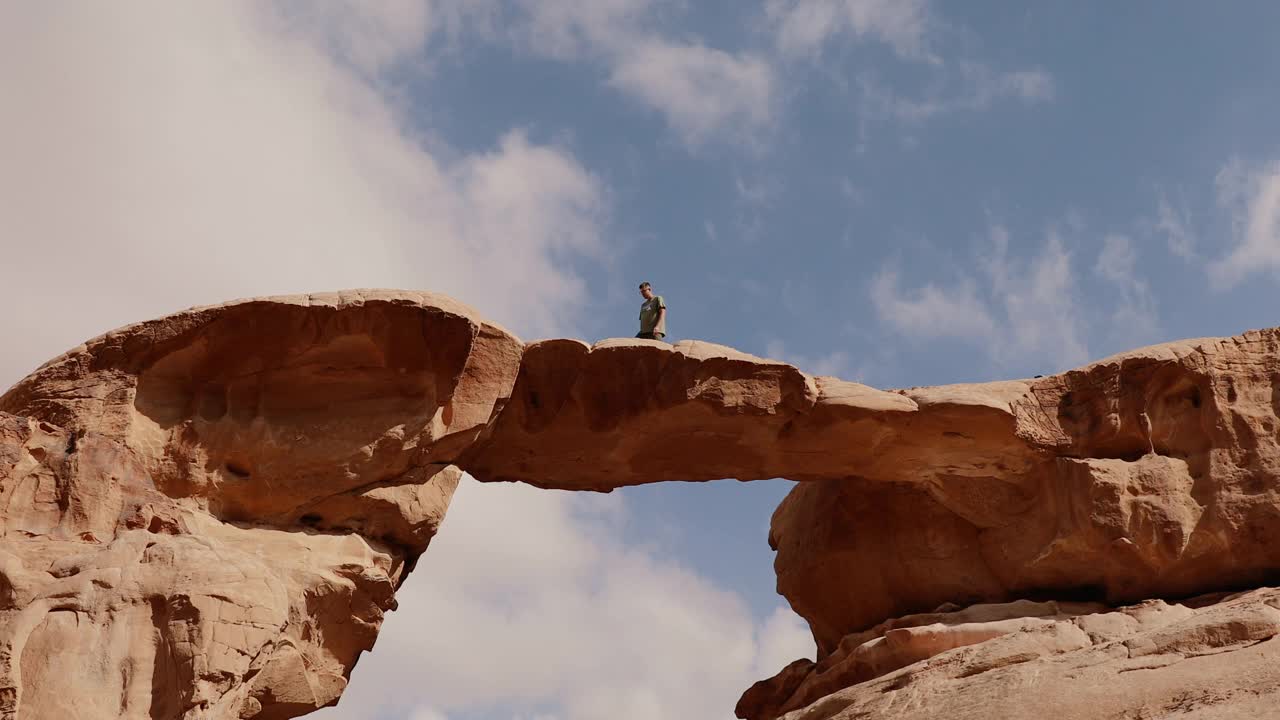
218,507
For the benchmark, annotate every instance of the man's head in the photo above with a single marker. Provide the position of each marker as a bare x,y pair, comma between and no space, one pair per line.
646,290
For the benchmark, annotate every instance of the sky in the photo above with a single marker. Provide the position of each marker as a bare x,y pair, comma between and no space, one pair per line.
899,192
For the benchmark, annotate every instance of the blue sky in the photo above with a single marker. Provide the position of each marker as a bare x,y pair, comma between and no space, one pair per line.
898,192
873,156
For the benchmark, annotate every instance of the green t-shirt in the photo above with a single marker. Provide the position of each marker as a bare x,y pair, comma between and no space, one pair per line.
649,322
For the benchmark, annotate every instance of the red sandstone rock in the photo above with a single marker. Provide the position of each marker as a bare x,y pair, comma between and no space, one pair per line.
1156,478
217,506
206,515
1153,660
626,412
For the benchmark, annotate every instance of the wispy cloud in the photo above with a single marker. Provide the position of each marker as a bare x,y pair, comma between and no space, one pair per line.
1039,302
569,29
1251,198
955,80
362,36
700,90
804,27
1016,310
1173,221
427,713
975,87
852,192
756,191
835,363
703,92
1134,318
931,311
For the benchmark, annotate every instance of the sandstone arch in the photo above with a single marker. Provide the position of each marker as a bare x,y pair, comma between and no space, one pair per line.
154,477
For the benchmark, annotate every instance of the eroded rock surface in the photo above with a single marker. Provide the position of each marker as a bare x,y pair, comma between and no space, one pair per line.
1156,477
627,412
1209,658
217,506
207,515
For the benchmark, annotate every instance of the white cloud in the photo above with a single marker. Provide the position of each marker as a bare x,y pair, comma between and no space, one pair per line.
529,598
954,82
930,311
835,363
1029,85
1251,196
1134,317
702,92
427,713
1049,298
1116,260
803,27
159,156
710,229
570,29
1039,303
1174,222
852,192
758,191
370,38
365,36
699,90
1026,312
975,87
782,639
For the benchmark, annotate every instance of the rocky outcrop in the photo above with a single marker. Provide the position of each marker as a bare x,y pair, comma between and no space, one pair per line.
904,641
626,412
1157,479
207,515
220,504
1211,657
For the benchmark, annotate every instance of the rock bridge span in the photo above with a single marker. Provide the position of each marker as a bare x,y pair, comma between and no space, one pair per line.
219,504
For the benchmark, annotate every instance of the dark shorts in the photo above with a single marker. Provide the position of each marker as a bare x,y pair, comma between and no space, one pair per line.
651,336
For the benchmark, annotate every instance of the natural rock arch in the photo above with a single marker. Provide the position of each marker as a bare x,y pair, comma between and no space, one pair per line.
219,505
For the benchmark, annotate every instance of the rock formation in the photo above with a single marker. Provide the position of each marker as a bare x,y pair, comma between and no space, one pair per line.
206,515
1211,657
218,506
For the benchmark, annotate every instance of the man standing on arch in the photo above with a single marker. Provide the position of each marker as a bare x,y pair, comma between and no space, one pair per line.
653,314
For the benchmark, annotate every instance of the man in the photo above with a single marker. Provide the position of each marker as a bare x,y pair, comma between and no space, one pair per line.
653,314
